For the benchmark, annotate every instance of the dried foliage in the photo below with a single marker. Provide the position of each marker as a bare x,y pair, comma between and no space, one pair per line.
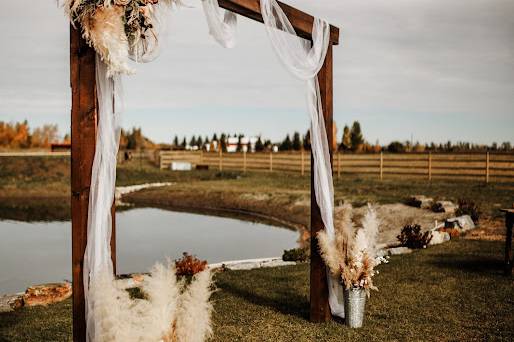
412,237
118,29
467,207
352,254
189,265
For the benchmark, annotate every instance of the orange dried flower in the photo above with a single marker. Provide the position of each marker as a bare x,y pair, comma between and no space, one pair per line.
189,265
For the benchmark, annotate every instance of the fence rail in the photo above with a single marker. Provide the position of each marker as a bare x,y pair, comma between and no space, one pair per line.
488,167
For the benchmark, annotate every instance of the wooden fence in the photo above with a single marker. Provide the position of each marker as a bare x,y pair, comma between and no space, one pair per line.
487,167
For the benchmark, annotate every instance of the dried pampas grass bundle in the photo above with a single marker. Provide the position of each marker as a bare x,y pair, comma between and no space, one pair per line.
352,254
120,29
194,310
172,310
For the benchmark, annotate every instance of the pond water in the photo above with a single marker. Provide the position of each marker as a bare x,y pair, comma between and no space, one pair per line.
39,252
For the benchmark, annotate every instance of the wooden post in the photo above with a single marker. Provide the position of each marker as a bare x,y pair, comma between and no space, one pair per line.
271,161
244,161
381,165
319,309
84,120
338,165
487,167
430,166
303,162
509,222
220,159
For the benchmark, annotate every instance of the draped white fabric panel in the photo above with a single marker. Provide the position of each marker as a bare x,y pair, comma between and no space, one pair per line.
304,60
97,258
222,27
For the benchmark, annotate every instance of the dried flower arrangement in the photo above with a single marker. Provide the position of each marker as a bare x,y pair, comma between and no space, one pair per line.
189,265
118,29
166,309
352,254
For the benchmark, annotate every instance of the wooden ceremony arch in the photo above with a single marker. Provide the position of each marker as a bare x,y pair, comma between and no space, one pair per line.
84,119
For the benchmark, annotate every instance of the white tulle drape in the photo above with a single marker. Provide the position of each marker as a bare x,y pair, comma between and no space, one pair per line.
304,60
222,26
97,258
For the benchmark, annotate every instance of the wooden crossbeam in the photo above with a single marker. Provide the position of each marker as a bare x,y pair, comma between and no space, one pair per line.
301,21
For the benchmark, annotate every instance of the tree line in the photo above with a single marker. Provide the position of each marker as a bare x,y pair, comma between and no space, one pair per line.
20,135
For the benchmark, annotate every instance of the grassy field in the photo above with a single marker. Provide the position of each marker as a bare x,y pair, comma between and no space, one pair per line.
33,188
450,292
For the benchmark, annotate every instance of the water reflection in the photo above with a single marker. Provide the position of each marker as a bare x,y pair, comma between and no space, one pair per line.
40,252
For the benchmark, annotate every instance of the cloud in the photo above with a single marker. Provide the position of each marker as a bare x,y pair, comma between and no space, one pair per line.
400,63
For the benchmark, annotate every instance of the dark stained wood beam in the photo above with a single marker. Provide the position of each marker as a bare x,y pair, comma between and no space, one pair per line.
319,309
84,123
301,21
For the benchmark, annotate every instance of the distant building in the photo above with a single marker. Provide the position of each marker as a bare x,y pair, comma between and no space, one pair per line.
60,147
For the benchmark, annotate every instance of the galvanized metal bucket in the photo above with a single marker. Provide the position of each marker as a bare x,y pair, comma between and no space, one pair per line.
354,304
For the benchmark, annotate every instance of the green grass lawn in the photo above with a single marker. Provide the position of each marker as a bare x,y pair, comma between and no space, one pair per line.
451,292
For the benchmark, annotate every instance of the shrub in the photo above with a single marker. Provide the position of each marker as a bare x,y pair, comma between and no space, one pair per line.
296,254
189,265
437,207
413,202
412,237
468,208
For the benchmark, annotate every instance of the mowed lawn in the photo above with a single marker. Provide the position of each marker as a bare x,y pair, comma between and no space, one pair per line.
451,292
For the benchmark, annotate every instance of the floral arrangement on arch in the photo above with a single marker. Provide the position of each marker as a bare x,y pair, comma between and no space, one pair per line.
352,255
119,30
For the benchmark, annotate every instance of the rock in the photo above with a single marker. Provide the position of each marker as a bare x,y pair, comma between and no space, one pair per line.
399,250
420,201
47,294
464,222
439,237
448,206
10,303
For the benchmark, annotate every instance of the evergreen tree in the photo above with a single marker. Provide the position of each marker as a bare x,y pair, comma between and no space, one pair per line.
184,143
175,141
223,142
356,136
192,142
297,142
214,137
199,142
286,145
259,146
346,142
307,140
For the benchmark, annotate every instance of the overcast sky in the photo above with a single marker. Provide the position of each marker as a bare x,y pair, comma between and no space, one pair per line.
435,69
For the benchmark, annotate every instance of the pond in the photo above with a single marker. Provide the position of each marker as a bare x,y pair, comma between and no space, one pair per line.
38,252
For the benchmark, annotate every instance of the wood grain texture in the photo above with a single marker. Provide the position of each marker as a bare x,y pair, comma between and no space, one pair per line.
84,123
301,21
319,309
83,137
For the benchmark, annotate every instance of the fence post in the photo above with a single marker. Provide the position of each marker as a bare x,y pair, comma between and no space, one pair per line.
338,164
270,161
429,165
302,161
220,159
244,161
381,165
487,167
